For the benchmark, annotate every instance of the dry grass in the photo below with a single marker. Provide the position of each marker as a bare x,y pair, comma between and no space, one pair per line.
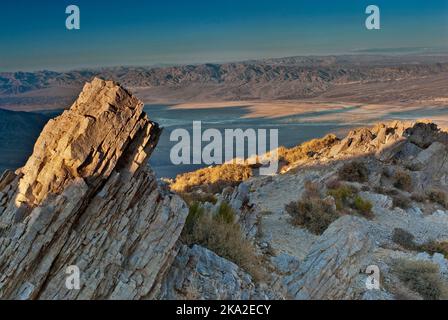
219,233
403,181
422,277
436,247
314,214
354,172
400,201
439,196
192,197
406,240
306,149
212,180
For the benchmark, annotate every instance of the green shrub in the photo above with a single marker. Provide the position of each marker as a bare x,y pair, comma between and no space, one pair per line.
225,213
354,171
422,277
403,181
364,207
217,232
195,213
342,196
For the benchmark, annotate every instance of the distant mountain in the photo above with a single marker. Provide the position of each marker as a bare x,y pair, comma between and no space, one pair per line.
18,133
284,78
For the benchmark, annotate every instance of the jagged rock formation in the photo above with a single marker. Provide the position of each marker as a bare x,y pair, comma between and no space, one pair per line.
87,198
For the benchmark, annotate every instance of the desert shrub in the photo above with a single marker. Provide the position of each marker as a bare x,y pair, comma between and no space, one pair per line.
400,201
306,149
432,247
403,238
312,190
418,197
403,181
225,213
347,199
354,171
314,214
195,213
216,232
213,179
422,277
201,197
364,207
342,196
333,184
439,196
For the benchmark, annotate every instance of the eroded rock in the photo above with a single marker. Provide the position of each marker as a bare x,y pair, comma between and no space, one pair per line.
86,197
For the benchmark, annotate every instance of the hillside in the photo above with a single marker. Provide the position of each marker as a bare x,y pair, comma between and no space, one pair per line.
333,78
87,198
18,132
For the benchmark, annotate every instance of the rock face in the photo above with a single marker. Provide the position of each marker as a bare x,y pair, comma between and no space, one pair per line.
331,269
198,273
86,198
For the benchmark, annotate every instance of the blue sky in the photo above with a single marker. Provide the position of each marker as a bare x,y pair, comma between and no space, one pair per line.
137,32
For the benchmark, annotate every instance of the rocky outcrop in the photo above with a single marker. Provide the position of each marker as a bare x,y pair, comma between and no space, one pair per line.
331,269
198,273
87,198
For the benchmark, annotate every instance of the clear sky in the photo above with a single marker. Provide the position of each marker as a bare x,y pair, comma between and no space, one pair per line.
147,32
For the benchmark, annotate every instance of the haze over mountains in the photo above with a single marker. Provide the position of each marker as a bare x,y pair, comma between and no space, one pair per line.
330,78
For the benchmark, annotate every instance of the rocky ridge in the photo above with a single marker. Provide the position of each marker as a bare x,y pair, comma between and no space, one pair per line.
87,198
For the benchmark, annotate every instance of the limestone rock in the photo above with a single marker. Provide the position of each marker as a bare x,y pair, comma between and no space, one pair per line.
87,198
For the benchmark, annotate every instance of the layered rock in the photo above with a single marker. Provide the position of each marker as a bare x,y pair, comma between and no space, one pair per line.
198,273
87,198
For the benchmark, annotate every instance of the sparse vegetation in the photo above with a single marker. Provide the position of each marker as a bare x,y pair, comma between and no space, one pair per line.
400,201
354,171
218,232
306,149
436,247
404,239
212,180
201,197
418,197
312,212
342,196
403,181
364,207
422,277
316,213
439,196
